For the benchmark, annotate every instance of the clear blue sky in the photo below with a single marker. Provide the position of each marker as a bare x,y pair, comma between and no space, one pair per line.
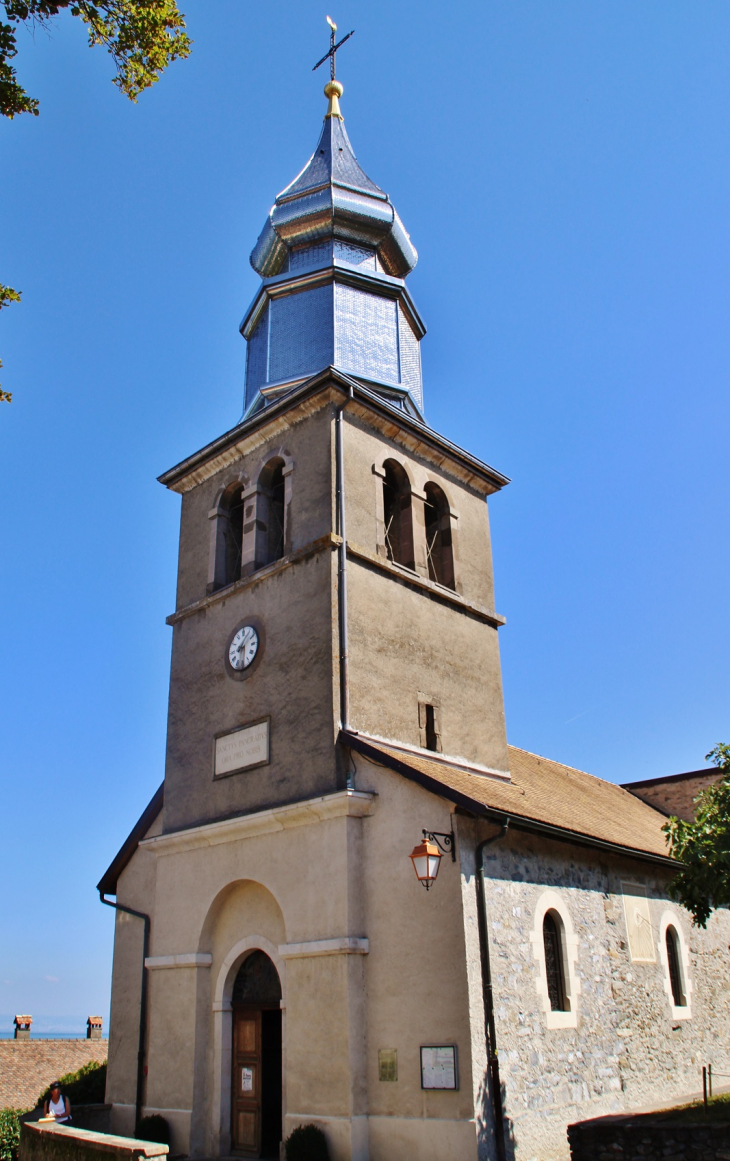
563,167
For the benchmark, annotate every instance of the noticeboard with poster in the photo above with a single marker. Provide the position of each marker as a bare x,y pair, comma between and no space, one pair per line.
439,1066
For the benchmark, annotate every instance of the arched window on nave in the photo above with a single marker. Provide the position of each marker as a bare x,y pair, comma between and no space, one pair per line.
674,963
552,934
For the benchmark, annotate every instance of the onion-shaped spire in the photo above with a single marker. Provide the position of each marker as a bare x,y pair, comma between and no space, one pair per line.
333,198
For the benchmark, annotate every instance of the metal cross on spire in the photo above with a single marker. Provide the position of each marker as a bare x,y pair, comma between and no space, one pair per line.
333,48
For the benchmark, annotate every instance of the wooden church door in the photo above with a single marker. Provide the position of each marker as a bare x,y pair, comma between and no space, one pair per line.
256,1090
247,1081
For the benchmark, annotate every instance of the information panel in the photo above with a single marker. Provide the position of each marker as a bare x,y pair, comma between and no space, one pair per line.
438,1066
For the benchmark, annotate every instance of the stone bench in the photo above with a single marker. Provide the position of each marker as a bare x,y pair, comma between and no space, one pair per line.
49,1142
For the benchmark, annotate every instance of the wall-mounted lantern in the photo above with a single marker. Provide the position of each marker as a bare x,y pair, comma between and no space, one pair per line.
426,857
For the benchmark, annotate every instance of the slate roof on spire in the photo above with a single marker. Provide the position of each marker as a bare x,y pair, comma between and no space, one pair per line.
332,163
333,198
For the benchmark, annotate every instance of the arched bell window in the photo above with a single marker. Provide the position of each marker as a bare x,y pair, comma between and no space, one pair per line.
270,515
233,533
552,934
439,549
227,538
397,514
674,964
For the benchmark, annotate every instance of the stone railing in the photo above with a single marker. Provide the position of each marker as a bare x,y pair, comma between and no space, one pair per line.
49,1142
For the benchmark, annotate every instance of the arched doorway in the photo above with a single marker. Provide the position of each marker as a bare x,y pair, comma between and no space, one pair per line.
256,1082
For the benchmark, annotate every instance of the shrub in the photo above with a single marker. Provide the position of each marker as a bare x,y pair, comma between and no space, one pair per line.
307,1143
153,1128
84,1087
9,1133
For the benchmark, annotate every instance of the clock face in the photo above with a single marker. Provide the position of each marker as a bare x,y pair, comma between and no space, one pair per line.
243,648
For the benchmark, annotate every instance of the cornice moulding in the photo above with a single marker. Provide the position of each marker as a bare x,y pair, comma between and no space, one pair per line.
329,540
342,804
188,960
438,592
310,396
345,945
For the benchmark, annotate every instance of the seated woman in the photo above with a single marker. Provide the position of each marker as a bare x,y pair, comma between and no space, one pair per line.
58,1105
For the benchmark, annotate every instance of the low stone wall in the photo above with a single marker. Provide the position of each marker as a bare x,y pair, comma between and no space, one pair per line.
47,1142
94,1117
648,1138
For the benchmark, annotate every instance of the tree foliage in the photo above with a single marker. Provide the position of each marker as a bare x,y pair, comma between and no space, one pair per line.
7,295
10,1133
142,37
86,1086
703,846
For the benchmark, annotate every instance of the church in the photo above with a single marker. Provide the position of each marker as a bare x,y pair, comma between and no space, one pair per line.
351,903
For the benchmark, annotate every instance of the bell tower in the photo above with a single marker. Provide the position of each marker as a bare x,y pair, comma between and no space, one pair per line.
335,571
335,664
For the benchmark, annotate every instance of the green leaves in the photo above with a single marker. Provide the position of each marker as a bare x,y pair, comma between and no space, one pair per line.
13,98
142,37
703,846
7,295
9,1133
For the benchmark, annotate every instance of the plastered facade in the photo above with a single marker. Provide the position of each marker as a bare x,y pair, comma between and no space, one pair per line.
358,967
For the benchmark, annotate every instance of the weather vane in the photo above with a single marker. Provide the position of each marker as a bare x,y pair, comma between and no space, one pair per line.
333,48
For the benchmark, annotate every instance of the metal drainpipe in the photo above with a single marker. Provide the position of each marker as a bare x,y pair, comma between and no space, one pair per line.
342,571
488,995
141,1043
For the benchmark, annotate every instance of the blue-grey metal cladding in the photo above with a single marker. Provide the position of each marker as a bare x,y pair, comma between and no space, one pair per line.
334,222
257,357
360,256
410,358
362,333
333,198
301,339
366,334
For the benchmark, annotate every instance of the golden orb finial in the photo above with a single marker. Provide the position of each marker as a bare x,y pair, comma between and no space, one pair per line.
333,90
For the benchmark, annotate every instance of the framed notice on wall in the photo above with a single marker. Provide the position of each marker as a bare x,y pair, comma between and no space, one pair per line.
241,749
439,1068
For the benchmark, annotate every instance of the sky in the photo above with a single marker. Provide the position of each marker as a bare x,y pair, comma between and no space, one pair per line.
563,169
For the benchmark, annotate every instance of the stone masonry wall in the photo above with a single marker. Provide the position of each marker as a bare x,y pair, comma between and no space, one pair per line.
622,1046
638,1139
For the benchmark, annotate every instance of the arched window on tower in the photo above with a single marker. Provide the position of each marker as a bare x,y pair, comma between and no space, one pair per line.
233,533
397,515
674,963
439,550
226,538
270,515
552,934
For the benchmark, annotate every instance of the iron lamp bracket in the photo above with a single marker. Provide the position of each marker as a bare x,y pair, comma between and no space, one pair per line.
445,842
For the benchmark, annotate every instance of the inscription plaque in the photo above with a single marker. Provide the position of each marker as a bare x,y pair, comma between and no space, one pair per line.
242,749
387,1064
